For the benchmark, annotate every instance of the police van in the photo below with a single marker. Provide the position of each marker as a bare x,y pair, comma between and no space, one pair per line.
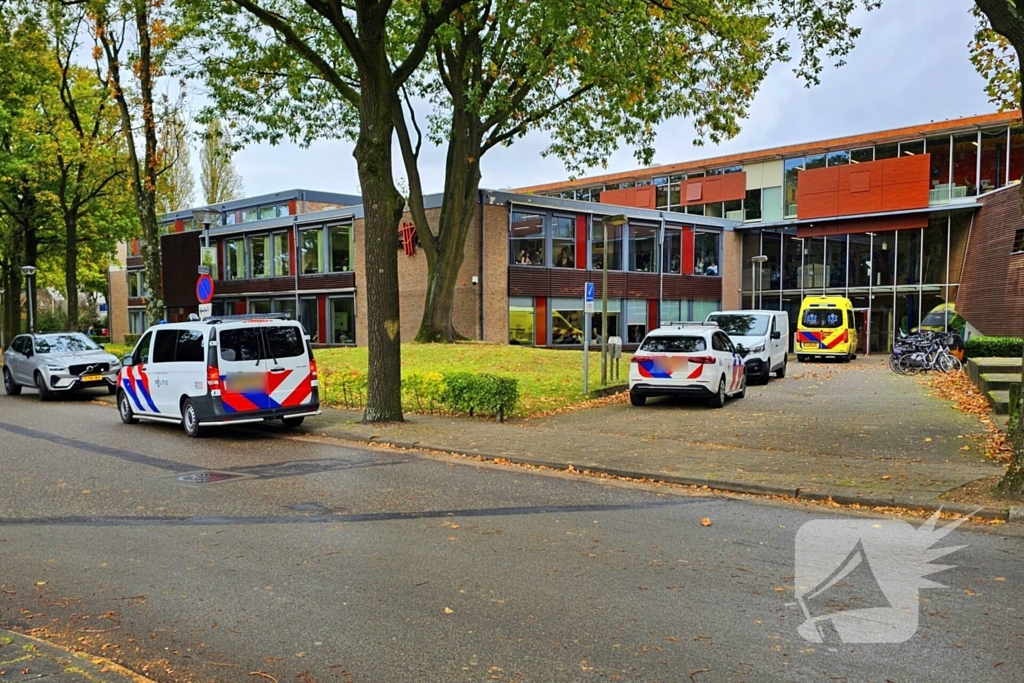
220,371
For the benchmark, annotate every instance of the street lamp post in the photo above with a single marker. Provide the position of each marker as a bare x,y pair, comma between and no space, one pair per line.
29,273
206,218
3,320
758,273
616,220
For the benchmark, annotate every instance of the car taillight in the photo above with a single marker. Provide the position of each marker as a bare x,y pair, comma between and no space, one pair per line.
701,359
213,380
313,374
637,359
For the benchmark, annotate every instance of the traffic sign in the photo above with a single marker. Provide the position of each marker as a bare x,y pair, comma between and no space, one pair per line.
204,289
588,297
205,311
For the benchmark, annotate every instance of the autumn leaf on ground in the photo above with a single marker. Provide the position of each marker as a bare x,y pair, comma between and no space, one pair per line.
449,610
706,521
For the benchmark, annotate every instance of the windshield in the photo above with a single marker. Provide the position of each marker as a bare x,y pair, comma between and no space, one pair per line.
741,324
664,344
823,317
244,343
935,319
65,343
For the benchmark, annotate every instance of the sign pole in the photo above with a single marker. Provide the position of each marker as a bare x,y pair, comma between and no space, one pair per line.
588,309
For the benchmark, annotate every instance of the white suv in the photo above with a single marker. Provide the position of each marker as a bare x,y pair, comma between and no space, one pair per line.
692,359
228,370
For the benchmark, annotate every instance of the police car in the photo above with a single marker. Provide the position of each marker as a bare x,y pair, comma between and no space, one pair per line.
220,371
691,359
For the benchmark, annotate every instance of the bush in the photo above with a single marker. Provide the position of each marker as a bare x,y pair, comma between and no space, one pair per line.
994,347
131,339
451,393
466,392
1014,405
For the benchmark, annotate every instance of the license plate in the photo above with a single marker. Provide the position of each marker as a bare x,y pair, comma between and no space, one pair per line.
91,378
247,381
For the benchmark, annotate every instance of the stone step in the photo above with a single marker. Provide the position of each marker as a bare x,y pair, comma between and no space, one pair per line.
1000,401
978,366
998,381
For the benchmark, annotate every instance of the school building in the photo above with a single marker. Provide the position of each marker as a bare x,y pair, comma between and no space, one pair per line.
900,221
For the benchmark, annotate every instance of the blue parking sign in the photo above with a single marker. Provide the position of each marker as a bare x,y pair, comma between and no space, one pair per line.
588,297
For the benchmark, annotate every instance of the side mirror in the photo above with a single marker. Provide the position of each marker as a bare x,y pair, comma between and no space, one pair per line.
742,350
103,346
128,360
776,335
28,352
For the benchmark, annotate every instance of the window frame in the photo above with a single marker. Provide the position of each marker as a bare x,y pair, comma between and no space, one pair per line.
1018,242
267,255
241,259
544,238
320,250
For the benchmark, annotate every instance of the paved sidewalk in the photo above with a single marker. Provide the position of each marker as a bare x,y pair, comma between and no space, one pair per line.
855,433
23,658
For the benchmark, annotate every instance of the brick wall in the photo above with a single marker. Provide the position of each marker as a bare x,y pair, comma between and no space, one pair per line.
117,304
991,293
495,282
412,282
732,266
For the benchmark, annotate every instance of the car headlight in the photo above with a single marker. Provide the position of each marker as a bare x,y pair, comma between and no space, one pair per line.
757,349
56,368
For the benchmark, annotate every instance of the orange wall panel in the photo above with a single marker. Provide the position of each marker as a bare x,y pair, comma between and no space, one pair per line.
642,197
723,188
874,187
540,321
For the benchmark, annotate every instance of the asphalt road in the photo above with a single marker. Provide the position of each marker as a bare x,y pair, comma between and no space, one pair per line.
329,563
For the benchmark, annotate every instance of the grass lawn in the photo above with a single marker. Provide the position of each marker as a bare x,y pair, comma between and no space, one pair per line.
548,379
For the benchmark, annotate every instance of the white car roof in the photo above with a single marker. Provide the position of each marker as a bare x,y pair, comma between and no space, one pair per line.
674,329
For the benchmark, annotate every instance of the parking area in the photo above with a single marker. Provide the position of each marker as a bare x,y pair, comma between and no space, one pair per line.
854,428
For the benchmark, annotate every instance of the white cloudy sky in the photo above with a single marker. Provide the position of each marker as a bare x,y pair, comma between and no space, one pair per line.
910,66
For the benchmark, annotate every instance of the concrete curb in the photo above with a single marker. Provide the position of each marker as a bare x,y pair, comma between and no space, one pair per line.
88,666
839,497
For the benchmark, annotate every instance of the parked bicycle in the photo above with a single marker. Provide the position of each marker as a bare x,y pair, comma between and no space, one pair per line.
925,351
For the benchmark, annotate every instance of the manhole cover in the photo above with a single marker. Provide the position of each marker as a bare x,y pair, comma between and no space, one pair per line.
208,477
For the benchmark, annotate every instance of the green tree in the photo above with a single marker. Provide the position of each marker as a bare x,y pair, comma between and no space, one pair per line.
362,53
83,151
996,53
221,182
136,42
175,185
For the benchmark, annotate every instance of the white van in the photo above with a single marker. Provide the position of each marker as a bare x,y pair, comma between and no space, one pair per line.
227,370
763,334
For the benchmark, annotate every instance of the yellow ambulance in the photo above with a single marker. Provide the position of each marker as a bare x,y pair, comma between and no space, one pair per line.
826,327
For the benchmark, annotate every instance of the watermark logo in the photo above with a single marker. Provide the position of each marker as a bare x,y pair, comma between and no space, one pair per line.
857,580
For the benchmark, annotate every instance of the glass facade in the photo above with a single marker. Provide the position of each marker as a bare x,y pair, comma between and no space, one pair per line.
599,251
312,252
706,259
259,255
342,310
340,240
643,249
527,244
281,260
563,241
894,278
520,320
234,258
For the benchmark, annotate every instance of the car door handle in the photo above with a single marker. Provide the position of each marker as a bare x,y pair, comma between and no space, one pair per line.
277,370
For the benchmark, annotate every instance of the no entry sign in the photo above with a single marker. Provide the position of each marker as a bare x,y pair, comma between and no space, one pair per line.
204,289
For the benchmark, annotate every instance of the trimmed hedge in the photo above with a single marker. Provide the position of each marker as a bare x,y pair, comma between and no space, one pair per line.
994,347
450,393
1014,412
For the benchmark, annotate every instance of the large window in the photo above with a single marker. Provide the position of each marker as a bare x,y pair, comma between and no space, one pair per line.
614,318
311,250
520,320
259,253
1016,164
911,147
563,242
286,306
673,310
835,261
234,253
673,251
908,257
860,260
993,159
643,249
566,321
771,204
705,254
702,309
527,243
636,320
136,322
136,286
267,212
933,259
752,205
343,320
259,306
599,250
340,237
792,260
792,168
882,274
939,151
282,246
862,155
965,165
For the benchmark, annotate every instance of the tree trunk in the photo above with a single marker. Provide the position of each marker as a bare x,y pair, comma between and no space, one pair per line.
383,207
457,212
71,271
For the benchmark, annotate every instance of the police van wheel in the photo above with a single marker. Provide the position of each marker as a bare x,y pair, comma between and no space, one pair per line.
124,407
743,387
637,399
718,400
292,422
189,419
